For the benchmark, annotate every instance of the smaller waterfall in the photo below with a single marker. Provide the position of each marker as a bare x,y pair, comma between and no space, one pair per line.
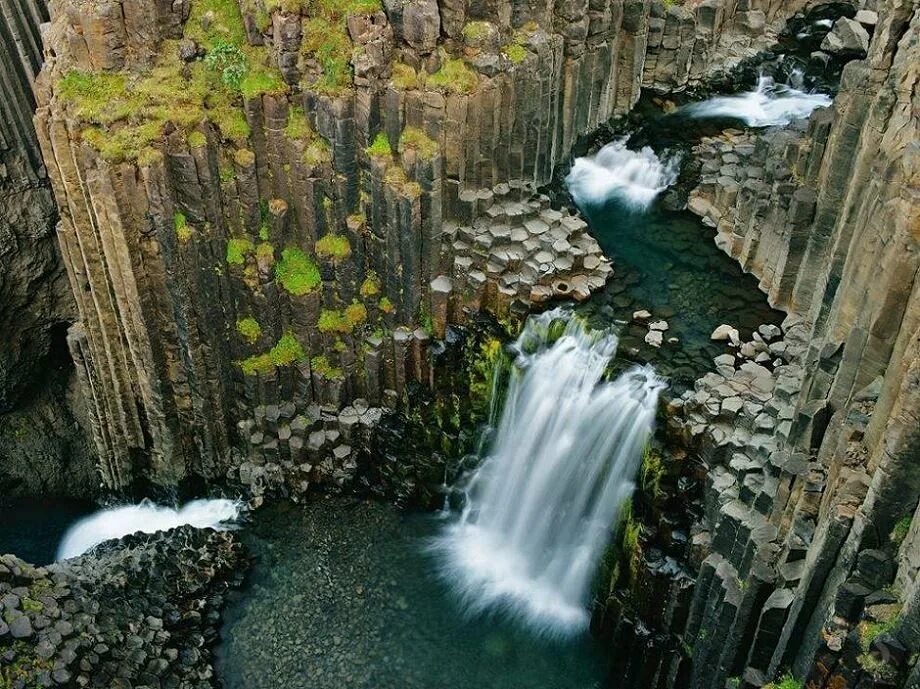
541,507
633,177
768,105
115,522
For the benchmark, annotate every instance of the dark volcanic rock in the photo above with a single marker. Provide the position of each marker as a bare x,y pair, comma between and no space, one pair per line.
143,610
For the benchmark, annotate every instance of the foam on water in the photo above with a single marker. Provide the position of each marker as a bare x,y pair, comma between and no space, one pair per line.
768,105
635,178
115,522
541,507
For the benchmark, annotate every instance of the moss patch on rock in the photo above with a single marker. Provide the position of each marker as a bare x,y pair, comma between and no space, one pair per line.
249,328
333,246
296,272
286,351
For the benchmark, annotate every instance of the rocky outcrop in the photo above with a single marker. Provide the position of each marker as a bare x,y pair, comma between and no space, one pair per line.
331,191
810,506
42,447
145,608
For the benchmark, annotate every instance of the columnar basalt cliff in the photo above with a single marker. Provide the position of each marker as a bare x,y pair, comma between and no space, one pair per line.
280,203
42,449
806,550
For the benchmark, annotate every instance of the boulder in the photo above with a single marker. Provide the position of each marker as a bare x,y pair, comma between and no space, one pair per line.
725,333
846,37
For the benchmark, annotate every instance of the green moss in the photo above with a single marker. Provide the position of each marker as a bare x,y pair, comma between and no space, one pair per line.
126,114
298,127
326,39
880,670
371,286
238,249
515,52
197,139
787,682
317,153
455,76
183,230
31,605
96,97
404,77
869,631
25,670
261,81
265,252
321,366
249,328
396,178
476,31
297,272
380,146
287,351
652,472
356,314
386,305
900,530
344,321
333,246
225,23
416,140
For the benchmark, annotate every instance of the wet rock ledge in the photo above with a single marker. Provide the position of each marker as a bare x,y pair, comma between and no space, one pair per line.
142,611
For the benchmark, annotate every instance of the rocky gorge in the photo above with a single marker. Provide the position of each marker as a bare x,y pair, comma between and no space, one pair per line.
283,249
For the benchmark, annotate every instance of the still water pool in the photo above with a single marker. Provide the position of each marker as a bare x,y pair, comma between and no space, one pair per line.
344,594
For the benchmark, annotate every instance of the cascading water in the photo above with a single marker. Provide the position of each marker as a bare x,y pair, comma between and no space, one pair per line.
768,105
115,522
541,506
633,177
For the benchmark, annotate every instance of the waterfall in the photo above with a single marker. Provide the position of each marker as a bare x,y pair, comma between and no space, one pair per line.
115,522
633,177
541,506
767,105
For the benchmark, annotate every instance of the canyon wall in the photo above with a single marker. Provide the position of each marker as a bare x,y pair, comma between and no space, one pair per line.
807,549
42,447
267,208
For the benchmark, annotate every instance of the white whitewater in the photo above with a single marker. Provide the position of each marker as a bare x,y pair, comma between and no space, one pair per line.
541,507
768,105
635,178
115,522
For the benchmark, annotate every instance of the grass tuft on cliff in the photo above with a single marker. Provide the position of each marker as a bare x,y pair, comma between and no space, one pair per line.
380,147
297,272
455,76
125,114
416,140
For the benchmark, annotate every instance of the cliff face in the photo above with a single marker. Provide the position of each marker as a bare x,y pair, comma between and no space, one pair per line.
41,446
270,205
810,557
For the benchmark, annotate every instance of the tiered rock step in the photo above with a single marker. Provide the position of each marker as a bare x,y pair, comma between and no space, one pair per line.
511,246
746,411
294,447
